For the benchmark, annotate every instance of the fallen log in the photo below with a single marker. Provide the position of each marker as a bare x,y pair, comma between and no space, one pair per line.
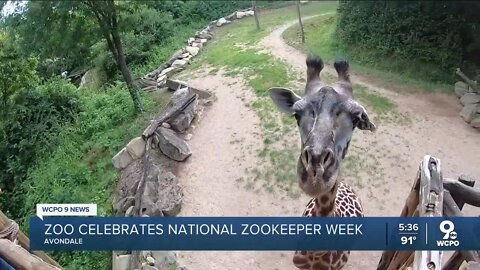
470,82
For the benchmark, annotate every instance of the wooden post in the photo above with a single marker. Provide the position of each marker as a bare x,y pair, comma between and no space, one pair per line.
300,21
394,259
20,258
431,205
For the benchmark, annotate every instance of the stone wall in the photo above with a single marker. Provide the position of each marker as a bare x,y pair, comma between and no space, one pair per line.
470,99
147,164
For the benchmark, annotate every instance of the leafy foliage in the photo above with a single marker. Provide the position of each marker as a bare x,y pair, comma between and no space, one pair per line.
29,131
442,35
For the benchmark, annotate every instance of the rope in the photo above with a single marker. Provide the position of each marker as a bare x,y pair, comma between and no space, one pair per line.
10,232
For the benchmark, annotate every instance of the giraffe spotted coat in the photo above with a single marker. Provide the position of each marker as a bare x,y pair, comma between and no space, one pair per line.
340,201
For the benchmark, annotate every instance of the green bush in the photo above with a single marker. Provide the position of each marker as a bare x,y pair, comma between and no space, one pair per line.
432,33
29,131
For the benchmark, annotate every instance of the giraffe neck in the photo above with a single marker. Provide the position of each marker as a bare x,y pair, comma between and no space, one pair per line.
325,203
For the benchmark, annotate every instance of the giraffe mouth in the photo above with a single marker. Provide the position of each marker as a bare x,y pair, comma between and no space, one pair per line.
315,180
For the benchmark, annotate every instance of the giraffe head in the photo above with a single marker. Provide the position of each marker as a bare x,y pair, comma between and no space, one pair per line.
326,117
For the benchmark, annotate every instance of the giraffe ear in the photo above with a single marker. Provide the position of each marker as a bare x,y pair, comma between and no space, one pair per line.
284,99
360,117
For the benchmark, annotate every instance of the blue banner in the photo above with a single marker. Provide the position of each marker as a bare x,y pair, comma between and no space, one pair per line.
254,233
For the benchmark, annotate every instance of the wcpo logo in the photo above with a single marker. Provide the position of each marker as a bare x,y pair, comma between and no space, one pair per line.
450,236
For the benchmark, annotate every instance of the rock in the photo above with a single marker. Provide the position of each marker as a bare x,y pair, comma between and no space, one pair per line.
192,50
122,205
208,102
461,88
475,121
122,159
203,40
161,78
121,262
179,63
249,13
176,84
190,40
240,14
170,194
172,146
149,267
129,211
182,122
150,260
181,268
470,98
185,55
232,16
198,45
136,147
204,36
188,137
222,21
165,125
468,112
164,258
168,71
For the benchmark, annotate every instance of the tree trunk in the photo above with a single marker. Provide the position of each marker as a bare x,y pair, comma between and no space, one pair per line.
122,64
300,21
255,14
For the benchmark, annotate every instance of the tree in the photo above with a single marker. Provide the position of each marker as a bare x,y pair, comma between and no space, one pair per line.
16,72
106,15
255,13
300,21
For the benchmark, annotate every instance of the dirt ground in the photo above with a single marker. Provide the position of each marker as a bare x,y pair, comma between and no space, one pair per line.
212,176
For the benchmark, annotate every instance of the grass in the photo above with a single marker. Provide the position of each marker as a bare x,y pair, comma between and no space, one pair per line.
80,169
389,71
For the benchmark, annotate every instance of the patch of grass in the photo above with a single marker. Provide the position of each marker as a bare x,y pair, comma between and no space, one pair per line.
392,72
80,170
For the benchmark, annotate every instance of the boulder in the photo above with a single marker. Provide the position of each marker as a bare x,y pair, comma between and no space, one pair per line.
170,194
177,84
149,267
190,40
192,50
249,13
475,121
240,14
136,147
120,262
470,98
203,40
203,35
183,120
163,259
122,159
183,56
168,71
179,63
222,21
197,45
231,16
173,146
468,112
161,78
460,89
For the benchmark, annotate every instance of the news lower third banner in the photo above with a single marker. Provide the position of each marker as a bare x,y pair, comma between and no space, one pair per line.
253,233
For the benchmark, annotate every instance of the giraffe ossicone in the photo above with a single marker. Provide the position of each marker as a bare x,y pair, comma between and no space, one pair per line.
326,117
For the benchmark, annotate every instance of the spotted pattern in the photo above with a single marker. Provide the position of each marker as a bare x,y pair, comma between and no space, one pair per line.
340,201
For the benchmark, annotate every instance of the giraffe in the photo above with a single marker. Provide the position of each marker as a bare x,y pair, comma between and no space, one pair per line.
326,116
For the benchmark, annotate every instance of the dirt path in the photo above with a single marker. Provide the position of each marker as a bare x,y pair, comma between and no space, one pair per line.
225,145
226,141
